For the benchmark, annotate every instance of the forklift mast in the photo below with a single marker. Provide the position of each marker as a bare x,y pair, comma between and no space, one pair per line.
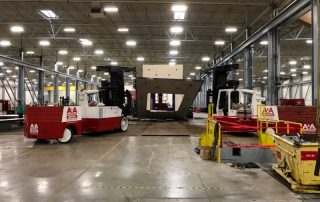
220,81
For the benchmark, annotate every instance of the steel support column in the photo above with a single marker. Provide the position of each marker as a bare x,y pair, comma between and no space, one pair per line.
273,67
21,92
55,86
41,84
247,59
67,84
315,58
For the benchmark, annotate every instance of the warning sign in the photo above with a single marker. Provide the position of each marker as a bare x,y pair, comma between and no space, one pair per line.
34,129
309,129
270,113
71,114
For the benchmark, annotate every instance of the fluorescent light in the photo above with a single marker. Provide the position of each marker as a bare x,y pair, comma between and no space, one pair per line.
1,63
231,29
85,42
16,67
198,67
63,52
30,52
93,75
98,52
176,29
131,43
173,52
172,62
309,41
44,43
106,73
5,43
237,73
264,77
71,67
69,29
265,71
123,29
114,63
205,59
80,70
17,29
263,43
111,9
179,15
32,71
304,72
59,63
240,79
293,74
140,59
292,62
14,76
306,66
48,14
179,8
282,73
192,73
175,43
219,43
8,71
293,70
93,67
76,58
189,78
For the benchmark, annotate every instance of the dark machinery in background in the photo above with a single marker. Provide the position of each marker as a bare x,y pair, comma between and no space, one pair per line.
112,92
220,81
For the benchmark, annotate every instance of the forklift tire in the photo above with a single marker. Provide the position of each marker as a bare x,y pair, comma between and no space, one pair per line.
124,124
67,136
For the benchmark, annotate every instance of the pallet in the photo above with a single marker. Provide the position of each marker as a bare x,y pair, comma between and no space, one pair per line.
296,186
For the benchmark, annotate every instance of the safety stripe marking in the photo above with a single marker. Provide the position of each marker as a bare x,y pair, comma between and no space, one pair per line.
153,187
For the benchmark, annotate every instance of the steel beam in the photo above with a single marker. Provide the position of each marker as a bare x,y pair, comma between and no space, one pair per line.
247,69
275,22
67,84
41,84
56,85
4,58
315,27
21,90
273,67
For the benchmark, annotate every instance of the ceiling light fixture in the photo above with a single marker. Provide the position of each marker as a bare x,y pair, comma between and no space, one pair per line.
80,70
304,72
205,59
63,52
93,67
111,9
114,63
98,52
44,43
192,74
30,52
131,43
85,42
173,52
1,63
309,41
198,67
293,70
282,73
231,29
179,11
219,43
59,63
71,67
48,14
106,73
76,58
17,29
176,29
188,78
140,59
123,29
264,43
69,29
32,71
175,43
172,62
306,67
5,43
293,75
292,62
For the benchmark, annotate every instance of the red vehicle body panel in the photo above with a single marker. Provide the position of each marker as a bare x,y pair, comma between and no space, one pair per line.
99,125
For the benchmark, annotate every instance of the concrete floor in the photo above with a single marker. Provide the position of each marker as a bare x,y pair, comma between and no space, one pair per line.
128,167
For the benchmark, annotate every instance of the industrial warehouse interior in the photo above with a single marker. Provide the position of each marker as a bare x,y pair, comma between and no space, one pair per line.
158,100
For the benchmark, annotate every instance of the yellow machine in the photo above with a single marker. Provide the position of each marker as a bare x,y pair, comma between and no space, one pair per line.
298,163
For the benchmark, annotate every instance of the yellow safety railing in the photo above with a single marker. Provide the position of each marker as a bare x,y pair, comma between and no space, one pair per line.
263,120
210,110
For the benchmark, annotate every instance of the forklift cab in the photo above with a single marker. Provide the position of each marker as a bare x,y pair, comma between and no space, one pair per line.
236,102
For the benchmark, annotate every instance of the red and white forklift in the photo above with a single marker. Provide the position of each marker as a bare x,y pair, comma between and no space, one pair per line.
97,111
